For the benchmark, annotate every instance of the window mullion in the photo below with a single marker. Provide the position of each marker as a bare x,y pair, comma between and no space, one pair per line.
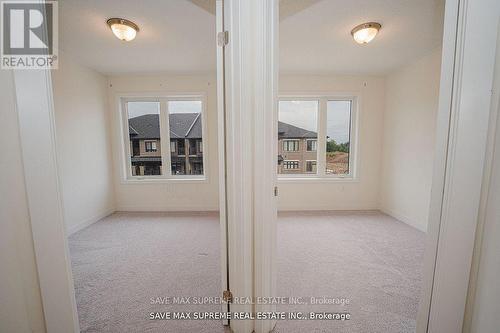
165,139
321,148
126,137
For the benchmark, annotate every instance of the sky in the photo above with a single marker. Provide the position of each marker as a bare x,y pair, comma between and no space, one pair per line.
136,109
338,119
304,114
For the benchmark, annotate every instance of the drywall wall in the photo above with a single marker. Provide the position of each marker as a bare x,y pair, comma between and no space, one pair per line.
20,305
83,143
412,95
361,193
166,196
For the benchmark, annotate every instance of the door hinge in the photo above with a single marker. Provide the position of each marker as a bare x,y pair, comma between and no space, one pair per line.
227,296
223,38
276,191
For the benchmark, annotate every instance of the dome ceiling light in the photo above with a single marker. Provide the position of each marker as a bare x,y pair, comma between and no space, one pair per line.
123,29
366,32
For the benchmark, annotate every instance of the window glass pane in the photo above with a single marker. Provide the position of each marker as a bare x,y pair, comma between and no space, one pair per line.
186,134
144,135
297,135
311,166
338,131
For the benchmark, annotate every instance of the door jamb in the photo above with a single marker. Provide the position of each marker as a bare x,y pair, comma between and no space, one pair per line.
221,128
461,141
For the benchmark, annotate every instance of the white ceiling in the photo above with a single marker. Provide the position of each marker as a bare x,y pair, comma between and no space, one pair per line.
318,39
179,35
174,36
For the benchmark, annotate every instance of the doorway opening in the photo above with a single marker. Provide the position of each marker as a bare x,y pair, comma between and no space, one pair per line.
137,140
356,137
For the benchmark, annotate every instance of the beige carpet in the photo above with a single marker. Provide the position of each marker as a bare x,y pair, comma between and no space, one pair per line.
123,261
369,258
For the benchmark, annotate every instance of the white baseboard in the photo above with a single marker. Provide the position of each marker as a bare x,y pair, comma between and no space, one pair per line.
286,208
420,225
82,225
141,208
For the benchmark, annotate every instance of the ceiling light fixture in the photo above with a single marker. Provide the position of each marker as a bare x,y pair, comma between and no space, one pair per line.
123,29
364,33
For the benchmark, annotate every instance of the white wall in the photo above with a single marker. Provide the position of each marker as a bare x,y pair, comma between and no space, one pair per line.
83,143
350,195
408,145
190,195
20,301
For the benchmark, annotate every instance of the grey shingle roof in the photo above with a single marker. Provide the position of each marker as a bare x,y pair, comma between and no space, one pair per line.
288,131
188,125
182,125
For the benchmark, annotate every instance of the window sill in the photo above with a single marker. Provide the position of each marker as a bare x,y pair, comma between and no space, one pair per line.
174,180
313,179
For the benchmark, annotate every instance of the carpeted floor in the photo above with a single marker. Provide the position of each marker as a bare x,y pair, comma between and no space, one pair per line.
369,258
123,261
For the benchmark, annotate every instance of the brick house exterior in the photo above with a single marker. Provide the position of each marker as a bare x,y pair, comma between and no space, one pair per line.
297,149
186,144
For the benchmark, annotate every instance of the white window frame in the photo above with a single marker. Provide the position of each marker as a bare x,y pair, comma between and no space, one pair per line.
294,140
321,174
315,146
154,147
311,172
298,164
163,99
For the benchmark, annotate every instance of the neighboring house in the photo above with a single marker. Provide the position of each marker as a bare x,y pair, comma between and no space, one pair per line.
186,144
296,146
296,149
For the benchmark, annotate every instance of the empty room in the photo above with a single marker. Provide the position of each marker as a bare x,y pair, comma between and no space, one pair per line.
136,122
357,120
263,166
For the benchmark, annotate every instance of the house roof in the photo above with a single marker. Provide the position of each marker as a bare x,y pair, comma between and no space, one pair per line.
188,125
287,131
182,125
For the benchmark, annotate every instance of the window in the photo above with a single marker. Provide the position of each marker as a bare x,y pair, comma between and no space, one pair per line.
290,145
150,146
144,124
315,137
311,144
311,166
338,137
180,147
186,124
297,135
291,165
153,121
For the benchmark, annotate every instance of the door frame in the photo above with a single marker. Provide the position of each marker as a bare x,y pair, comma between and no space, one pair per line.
221,135
466,78
250,99
461,144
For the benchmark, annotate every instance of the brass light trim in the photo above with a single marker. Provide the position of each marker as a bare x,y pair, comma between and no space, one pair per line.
365,32
117,20
362,26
